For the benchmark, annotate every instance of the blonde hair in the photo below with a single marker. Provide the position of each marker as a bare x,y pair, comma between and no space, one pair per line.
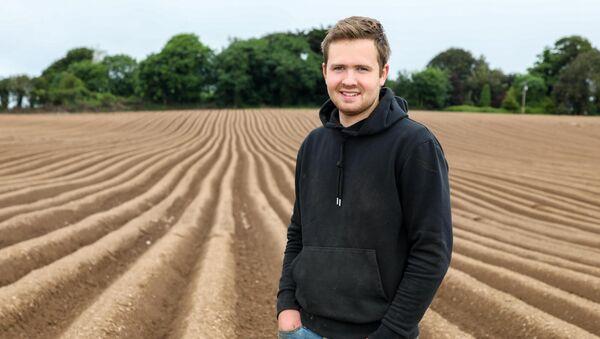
359,27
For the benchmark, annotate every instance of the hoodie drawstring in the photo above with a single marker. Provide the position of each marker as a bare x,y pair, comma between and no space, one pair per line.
340,166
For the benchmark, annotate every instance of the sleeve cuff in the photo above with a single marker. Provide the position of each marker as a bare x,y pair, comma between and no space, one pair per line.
286,300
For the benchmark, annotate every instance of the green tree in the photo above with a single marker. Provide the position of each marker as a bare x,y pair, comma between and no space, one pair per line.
278,69
314,37
577,90
296,71
402,86
459,65
121,71
4,94
485,98
20,86
481,76
536,89
42,85
181,73
510,101
240,69
93,74
554,59
67,89
430,88
73,56
39,91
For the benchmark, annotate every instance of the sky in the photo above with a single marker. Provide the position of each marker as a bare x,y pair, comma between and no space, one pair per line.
509,33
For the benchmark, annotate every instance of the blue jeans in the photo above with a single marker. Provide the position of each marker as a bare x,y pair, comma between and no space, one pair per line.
299,333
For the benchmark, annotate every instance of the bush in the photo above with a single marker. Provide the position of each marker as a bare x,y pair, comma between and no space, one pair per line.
485,98
67,89
475,109
510,101
536,89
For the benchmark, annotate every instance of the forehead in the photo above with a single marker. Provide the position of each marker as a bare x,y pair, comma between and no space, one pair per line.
351,52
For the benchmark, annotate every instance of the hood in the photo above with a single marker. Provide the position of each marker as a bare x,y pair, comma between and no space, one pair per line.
389,110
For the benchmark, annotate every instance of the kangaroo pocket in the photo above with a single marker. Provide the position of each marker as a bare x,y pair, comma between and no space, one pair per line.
340,283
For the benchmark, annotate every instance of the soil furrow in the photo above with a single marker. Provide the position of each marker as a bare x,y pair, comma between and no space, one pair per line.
539,198
526,239
21,258
526,210
83,170
28,225
469,303
142,301
207,307
48,299
573,309
30,194
581,284
260,241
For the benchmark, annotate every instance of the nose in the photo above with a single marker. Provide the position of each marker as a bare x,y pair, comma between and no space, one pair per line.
349,78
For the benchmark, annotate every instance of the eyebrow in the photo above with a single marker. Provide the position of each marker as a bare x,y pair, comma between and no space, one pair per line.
365,66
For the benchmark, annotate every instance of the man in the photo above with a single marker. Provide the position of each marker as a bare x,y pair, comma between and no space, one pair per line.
370,237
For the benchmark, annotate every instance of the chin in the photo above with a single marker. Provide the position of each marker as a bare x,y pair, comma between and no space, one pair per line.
351,109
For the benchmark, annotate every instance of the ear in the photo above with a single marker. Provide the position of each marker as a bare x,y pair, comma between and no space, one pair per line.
384,74
324,69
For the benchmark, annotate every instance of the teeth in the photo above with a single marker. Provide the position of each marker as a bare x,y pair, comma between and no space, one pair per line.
350,94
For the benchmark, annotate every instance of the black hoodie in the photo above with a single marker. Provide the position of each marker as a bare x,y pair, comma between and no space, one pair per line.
370,237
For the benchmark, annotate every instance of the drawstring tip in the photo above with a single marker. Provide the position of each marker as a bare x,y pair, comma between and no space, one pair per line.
338,201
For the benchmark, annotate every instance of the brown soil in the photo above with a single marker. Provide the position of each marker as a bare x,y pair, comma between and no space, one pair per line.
173,224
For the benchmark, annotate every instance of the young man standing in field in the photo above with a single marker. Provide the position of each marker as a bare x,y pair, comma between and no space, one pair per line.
370,237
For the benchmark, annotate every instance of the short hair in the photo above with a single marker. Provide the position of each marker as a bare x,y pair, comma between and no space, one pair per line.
358,27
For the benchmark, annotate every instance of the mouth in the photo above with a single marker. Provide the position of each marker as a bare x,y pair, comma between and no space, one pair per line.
349,94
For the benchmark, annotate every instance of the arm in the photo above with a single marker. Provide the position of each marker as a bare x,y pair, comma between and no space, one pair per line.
286,298
425,199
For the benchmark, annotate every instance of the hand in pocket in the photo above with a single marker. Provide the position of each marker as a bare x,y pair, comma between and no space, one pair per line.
289,320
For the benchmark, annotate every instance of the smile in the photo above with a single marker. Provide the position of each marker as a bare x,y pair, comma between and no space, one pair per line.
350,94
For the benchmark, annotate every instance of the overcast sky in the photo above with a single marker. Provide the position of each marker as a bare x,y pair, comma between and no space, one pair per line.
509,33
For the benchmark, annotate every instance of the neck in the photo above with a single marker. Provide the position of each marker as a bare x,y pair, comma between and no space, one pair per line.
349,120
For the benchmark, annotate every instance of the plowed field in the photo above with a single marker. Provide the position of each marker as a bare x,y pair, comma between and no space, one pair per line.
173,224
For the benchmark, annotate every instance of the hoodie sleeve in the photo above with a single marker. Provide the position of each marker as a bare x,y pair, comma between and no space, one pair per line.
287,286
425,198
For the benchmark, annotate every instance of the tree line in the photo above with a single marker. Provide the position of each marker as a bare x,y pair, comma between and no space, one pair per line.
283,70
565,79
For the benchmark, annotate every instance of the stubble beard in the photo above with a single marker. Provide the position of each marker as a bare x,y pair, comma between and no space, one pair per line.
360,110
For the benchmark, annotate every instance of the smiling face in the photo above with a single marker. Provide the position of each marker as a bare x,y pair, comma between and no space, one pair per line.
354,78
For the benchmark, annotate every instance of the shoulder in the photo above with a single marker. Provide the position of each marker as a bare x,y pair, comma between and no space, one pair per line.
412,133
412,137
313,137
316,133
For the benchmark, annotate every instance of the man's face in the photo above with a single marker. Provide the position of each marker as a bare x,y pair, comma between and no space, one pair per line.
353,76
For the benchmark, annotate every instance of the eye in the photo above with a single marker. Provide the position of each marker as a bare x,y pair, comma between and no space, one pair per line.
362,69
338,68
